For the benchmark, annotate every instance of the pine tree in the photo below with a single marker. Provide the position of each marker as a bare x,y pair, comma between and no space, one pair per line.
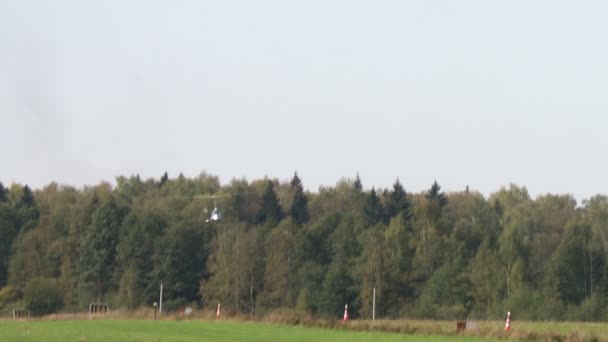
373,210
299,205
270,211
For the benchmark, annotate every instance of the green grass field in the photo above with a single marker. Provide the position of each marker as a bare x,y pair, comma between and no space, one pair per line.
139,330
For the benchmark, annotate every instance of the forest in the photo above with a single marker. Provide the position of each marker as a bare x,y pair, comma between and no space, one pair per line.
432,254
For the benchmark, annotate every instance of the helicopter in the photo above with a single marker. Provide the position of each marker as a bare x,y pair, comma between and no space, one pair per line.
215,213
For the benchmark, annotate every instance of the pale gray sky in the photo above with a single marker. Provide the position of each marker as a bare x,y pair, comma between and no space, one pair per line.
479,93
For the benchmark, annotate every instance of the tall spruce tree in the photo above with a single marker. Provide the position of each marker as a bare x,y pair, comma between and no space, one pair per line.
435,194
357,184
373,210
270,211
299,205
25,209
397,202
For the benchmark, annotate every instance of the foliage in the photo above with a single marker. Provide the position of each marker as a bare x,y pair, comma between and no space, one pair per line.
8,294
43,296
270,212
299,204
397,202
98,247
373,210
8,232
429,254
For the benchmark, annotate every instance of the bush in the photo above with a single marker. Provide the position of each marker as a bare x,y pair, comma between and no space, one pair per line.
284,315
170,305
303,302
591,309
535,305
43,296
8,295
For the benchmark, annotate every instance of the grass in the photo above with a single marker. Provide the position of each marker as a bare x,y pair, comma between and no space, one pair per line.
147,330
280,325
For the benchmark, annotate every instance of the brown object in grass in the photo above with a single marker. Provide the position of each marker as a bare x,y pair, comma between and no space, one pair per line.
461,326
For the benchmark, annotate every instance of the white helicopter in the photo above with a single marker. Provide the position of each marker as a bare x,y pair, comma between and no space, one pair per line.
216,214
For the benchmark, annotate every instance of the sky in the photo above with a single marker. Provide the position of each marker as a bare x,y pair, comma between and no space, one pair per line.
469,93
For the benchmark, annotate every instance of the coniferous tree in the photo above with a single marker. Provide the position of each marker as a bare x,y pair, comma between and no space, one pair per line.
25,209
398,202
138,233
270,211
373,210
435,194
98,246
27,197
8,232
3,192
357,184
164,178
472,255
299,205
179,263
436,202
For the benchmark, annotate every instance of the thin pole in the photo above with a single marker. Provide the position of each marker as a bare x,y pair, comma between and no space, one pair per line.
160,308
374,305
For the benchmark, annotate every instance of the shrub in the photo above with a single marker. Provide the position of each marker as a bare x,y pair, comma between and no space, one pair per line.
8,295
283,315
43,296
303,302
174,304
591,309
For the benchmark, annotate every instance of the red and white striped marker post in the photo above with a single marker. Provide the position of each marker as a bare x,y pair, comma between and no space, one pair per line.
508,325
346,312
218,312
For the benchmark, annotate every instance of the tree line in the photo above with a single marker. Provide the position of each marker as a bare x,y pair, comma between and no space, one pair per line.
427,255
